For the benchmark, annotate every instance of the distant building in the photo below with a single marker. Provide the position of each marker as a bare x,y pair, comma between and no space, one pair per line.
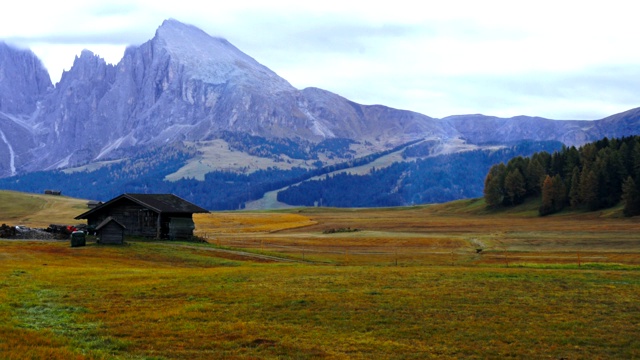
160,216
94,203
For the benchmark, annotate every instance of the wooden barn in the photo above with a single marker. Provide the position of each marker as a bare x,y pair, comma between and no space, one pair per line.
160,216
110,231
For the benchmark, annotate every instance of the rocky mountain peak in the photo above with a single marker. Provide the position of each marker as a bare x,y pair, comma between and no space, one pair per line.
23,80
88,67
213,60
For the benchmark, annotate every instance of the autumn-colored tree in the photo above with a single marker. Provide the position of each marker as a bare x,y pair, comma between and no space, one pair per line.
554,195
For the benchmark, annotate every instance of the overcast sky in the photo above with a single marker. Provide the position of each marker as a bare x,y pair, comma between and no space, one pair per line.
555,59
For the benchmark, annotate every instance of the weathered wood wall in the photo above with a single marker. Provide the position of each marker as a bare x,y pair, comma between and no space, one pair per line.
111,233
138,220
181,227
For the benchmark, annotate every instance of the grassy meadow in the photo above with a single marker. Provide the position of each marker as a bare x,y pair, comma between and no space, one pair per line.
409,284
38,210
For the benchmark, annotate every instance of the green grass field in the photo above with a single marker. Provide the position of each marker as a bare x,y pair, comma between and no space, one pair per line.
525,296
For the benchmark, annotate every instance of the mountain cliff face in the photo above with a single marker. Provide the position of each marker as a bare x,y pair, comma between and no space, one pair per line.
184,85
23,83
74,114
23,80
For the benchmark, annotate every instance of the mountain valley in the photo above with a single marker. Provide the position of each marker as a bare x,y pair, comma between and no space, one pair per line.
185,106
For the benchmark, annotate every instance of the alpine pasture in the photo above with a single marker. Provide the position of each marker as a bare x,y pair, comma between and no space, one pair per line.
441,281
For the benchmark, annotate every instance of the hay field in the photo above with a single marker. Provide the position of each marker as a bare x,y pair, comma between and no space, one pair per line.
38,210
438,234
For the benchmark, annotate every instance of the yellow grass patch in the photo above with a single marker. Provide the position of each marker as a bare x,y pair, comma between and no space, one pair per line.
35,210
218,223
217,156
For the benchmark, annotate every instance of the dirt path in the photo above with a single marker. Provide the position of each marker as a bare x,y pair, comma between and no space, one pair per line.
238,253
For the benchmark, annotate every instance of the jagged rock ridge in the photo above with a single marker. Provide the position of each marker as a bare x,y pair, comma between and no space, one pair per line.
184,85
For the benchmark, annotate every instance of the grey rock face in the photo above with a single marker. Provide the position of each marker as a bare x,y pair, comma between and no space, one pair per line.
23,80
16,142
69,114
488,129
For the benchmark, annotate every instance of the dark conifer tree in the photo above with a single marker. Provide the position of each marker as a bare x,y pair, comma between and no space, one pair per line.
559,193
574,190
630,197
534,176
515,187
547,197
589,189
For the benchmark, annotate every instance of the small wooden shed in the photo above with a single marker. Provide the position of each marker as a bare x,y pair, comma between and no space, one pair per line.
110,231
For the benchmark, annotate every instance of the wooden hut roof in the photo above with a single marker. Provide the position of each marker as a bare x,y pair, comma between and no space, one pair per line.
108,220
160,203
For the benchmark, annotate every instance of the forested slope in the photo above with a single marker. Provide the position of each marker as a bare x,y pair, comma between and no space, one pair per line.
595,176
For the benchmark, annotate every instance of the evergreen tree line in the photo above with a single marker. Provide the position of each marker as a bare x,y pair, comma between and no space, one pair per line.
594,176
436,179
295,149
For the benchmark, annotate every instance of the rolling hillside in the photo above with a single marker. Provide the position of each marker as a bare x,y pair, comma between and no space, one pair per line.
34,210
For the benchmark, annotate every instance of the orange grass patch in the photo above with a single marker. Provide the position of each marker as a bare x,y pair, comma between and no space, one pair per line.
241,222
